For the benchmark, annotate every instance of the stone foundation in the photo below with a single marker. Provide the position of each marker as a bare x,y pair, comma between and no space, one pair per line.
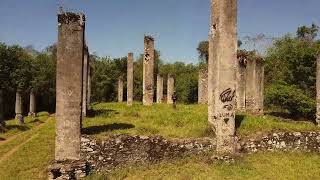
68,170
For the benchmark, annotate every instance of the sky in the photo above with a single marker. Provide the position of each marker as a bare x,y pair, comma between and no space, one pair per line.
116,27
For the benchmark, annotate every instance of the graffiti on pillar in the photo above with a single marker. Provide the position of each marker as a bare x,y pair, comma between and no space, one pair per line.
226,97
147,55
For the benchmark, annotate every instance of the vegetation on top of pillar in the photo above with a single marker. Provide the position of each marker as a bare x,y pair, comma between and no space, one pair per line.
67,17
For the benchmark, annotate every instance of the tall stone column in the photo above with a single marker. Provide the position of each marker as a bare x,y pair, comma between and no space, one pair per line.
120,90
2,122
159,88
85,81
318,91
252,86
89,84
130,79
241,83
18,108
32,104
70,51
148,70
222,73
203,86
259,86
170,89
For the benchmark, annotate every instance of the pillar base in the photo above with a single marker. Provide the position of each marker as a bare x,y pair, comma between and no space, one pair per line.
19,118
68,170
32,114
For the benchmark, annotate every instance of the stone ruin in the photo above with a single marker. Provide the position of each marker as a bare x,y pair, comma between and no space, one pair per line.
18,107
170,88
148,71
120,89
203,86
130,79
159,89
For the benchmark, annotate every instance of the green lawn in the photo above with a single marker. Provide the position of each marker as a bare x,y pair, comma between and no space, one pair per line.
29,151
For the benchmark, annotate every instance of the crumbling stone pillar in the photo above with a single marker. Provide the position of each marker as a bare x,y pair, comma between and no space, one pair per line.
159,88
241,83
148,70
2,122
85,81
203,86
130,79
170,89
222,74
318,91
120,90
260,86
251,99
69,85
18,108
32,104
89,84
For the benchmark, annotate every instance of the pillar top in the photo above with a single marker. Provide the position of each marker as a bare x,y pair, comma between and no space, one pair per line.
68,17
148,38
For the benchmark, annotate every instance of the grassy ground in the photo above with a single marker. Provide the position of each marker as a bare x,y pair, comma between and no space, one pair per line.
30,150
186,121
277,165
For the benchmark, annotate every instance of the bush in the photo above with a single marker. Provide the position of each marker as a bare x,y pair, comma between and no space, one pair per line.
290,98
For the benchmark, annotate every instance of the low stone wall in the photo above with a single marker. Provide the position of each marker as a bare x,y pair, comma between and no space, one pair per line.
122,150
284,141
125,150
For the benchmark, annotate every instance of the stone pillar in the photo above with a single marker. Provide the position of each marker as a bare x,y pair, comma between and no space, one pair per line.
120,90
148,70
203,86
69,85
2,122
89,84
318,91
85,81
159,88
241,83
170,89
251,86
18,108
130,79
222,73
32,105
259,86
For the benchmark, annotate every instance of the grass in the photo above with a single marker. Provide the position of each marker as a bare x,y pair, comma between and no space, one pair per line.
186,121
12,128
36,144
276,165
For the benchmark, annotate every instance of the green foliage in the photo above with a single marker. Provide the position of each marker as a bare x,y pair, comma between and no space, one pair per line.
292,99
290,72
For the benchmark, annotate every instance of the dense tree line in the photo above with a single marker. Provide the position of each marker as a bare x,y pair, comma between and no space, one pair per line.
290,74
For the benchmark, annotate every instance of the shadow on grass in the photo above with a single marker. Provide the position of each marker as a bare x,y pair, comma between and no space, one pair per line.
2,139
239,119
101,112
104,128
18,127
285,116
36,121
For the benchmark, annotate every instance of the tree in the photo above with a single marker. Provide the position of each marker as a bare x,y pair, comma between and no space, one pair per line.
308,33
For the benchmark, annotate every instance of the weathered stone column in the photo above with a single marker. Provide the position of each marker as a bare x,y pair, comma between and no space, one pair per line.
32,104
85,81
89,84
2,122
120,90
259,85
318,91
203,86
241,83
18,108
222,73
170,88
252,86
148,70
69,85
130,79
159,88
